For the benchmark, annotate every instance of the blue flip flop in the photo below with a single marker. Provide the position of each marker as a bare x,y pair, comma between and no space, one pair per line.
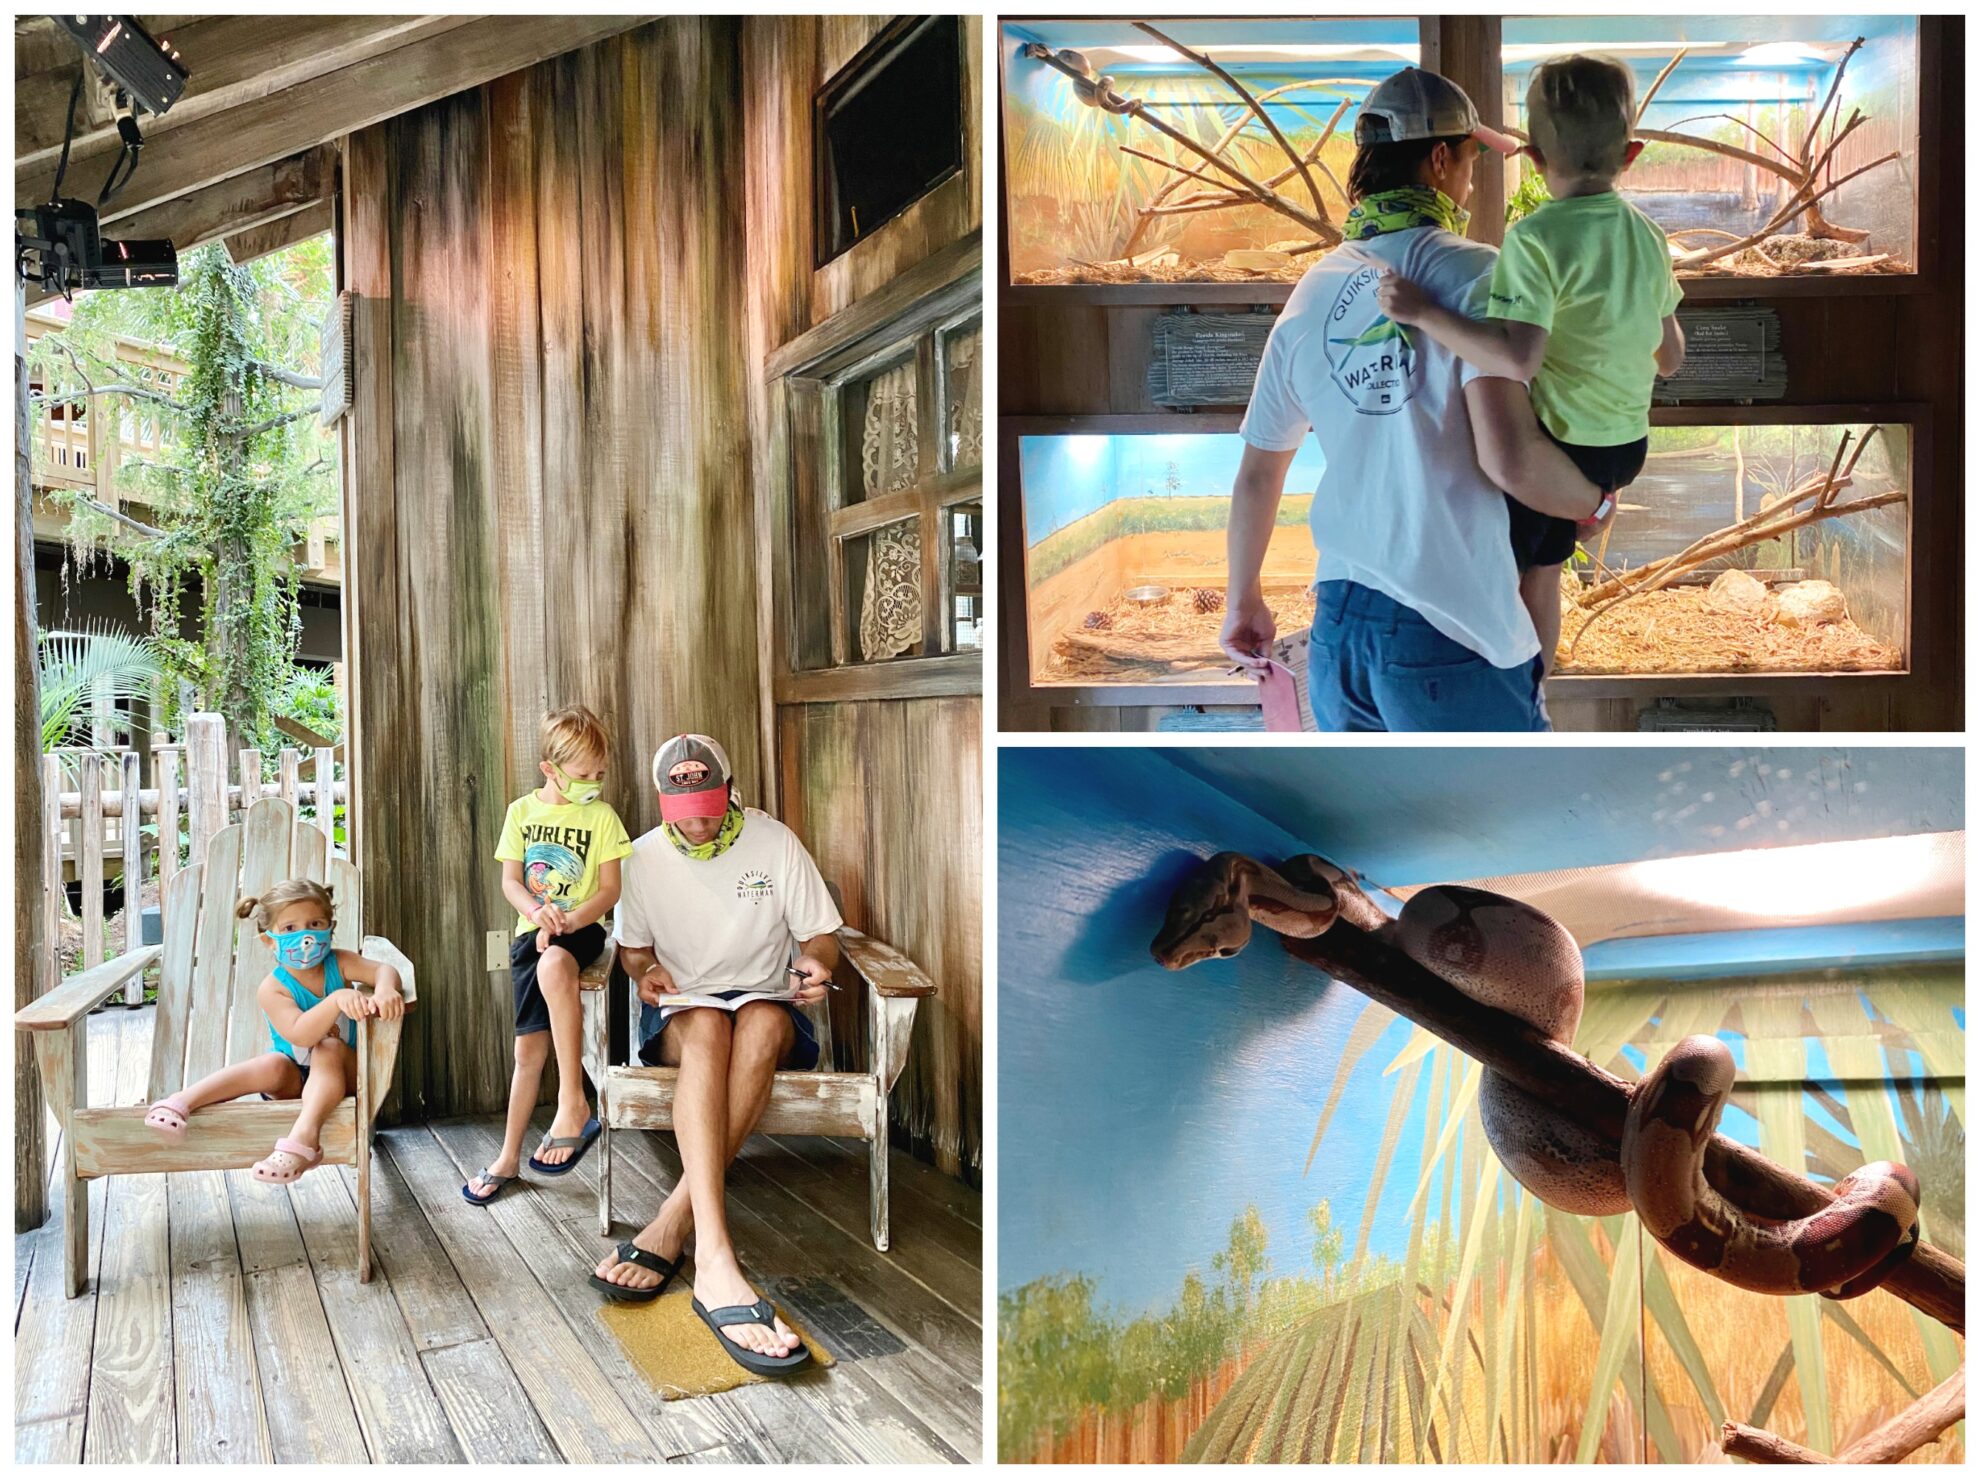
499,1183
559,1142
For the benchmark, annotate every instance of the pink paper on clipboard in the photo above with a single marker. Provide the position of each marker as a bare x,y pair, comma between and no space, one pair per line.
1279,698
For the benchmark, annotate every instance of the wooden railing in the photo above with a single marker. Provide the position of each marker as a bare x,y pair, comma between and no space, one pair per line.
192,797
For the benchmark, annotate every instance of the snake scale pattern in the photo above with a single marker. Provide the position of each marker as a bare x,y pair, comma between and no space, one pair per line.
1511,957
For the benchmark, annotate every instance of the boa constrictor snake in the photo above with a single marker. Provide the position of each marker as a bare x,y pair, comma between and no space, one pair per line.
1507,955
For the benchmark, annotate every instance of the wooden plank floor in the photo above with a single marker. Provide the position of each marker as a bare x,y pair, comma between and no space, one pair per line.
223,1321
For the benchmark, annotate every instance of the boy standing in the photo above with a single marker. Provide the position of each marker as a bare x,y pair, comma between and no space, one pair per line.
560,852
1583,304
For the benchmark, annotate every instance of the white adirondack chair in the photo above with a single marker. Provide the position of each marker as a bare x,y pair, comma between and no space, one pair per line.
808,1102
210,967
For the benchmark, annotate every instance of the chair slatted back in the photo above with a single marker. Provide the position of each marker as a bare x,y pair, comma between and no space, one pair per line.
267,846
213,964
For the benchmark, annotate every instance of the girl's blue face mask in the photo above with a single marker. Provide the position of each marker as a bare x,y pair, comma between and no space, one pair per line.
302,948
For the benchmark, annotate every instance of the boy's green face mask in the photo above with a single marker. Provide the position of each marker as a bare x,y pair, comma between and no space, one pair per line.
578,793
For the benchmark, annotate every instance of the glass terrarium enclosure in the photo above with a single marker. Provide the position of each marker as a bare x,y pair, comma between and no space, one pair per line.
1124,553
1775,146
1742,549
1749,549
1095,195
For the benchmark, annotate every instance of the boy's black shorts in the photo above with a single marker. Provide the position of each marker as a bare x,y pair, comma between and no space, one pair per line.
1542,539
532,1011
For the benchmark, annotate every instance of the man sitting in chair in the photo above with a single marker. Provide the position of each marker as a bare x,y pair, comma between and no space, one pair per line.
729,932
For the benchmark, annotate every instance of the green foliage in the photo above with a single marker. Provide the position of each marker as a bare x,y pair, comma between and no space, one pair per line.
311,699
79,669
1528,196
248,468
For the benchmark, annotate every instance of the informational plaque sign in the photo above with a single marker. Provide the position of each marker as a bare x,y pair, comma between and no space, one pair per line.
1206,359
338,368
1732,352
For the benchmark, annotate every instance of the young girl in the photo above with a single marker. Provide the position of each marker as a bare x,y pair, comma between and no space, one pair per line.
311,1010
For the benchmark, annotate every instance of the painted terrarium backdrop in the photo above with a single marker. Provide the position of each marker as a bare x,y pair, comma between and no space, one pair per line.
1741,549
1248,1216
1742,111
1214,151
1087,204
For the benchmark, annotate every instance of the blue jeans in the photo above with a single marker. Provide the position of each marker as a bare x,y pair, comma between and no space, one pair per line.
1374,664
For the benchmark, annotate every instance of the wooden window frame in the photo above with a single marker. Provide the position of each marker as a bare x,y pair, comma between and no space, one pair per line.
810,513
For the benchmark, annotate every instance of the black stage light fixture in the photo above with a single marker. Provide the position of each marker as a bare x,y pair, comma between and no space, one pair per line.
58,244
148,71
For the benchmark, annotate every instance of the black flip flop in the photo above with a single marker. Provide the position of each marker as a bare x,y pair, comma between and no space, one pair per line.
633,1253
499,1183
760,1313
581,1140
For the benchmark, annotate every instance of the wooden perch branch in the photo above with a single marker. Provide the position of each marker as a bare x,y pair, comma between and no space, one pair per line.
1920,1423
1203,61
1770,523
1930,1280
1091,92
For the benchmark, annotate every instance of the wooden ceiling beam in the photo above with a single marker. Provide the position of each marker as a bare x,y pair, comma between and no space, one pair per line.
284,231
233,59
241,203
224,144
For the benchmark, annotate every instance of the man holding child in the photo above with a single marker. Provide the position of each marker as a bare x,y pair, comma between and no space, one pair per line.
1408,351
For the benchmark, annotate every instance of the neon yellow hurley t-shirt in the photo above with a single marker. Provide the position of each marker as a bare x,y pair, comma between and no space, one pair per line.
1595,273
561,849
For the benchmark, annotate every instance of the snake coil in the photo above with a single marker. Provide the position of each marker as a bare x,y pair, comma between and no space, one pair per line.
1510,957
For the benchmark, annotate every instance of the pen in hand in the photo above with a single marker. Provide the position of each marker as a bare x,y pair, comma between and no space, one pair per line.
791,970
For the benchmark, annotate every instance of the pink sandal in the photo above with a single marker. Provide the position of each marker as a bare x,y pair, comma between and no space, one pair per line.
168,1117
280,1173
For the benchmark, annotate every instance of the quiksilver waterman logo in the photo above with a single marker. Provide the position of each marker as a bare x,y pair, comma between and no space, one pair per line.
754,886
1369,354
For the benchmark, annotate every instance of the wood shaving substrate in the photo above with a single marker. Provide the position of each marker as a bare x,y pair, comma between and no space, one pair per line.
1153,643
1120,273
1675,631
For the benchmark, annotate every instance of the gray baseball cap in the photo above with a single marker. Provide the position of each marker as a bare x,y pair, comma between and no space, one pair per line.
1415,104
691,773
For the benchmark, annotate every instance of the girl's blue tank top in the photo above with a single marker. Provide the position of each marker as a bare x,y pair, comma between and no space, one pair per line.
333,980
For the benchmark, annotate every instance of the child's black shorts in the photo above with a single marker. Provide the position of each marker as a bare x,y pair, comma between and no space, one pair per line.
1542,539
532,1011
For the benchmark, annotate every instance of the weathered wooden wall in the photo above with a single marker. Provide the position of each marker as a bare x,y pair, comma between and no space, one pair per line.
887,792
549,481
553,456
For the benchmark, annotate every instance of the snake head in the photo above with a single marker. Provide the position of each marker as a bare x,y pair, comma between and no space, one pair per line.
1207,918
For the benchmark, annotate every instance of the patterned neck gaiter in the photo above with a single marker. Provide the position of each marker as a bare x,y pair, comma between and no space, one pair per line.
1402,210
723,840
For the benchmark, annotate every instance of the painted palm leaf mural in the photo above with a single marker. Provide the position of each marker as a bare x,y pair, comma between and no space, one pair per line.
1494,1363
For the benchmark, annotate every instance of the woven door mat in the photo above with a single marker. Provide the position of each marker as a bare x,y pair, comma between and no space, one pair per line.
670,1346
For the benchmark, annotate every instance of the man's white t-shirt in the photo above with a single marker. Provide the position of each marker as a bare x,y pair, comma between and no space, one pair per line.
728,923
1402,506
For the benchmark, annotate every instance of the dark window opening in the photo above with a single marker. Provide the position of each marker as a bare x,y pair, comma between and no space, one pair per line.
888,129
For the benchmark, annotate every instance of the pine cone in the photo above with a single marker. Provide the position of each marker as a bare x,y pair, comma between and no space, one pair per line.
1098,621
1208,600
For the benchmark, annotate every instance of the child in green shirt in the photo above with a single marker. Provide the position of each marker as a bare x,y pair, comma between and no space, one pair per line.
1583,305
560,852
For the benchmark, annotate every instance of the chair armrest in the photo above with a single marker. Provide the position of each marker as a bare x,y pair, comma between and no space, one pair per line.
382,950
884,968
83,992
598,975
